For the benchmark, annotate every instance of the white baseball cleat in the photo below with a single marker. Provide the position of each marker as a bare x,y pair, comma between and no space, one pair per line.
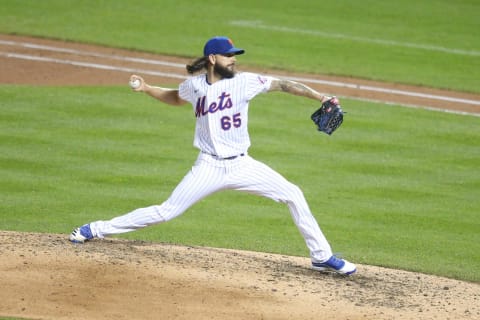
335,264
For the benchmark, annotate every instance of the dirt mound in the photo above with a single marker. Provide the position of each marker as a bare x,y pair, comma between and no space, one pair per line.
44,276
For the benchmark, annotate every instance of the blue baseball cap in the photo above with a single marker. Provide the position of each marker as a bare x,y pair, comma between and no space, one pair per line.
220,45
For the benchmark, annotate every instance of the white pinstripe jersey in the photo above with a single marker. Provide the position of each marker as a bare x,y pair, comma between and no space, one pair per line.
221,110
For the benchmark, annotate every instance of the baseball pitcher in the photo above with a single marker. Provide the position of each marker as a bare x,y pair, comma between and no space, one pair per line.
220,99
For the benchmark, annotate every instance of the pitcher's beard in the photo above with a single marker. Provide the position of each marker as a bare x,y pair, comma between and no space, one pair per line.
224,72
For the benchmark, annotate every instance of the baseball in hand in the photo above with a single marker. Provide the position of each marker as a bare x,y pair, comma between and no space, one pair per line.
135,84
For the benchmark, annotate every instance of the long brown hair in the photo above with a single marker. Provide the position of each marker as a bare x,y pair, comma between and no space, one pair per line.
197,65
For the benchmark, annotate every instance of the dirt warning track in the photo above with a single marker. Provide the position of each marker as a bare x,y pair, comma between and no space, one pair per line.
47,62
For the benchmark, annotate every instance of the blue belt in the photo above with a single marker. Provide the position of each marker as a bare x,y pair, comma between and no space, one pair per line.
232,157
227,158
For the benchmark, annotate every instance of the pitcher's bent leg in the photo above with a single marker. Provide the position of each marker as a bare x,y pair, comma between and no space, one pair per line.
318,245
260,179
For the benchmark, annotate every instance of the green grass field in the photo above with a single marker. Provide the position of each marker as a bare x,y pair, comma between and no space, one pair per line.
395,187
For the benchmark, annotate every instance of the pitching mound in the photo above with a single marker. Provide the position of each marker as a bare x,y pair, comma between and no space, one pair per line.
44,276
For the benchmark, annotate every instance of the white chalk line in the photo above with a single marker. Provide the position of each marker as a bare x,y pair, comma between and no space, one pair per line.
261,25
414,106
386,90
91,65
90,54
179,76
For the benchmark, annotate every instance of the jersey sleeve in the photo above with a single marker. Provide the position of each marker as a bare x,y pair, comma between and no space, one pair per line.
185,90
257,84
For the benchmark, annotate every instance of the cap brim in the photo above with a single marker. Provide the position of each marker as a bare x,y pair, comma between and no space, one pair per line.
236,51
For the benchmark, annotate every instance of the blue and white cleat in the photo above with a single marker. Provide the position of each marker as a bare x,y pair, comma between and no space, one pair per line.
81,234
335,264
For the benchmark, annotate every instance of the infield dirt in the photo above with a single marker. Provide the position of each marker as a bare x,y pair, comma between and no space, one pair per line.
43,276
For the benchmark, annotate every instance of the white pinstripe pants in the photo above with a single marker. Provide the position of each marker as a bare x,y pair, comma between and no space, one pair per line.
210,175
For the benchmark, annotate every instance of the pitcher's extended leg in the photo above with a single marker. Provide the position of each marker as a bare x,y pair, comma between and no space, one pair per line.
201,181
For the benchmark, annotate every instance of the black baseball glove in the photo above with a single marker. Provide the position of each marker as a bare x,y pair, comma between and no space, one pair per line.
329,117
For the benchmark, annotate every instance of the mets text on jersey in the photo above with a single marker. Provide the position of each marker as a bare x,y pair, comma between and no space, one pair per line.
224,102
